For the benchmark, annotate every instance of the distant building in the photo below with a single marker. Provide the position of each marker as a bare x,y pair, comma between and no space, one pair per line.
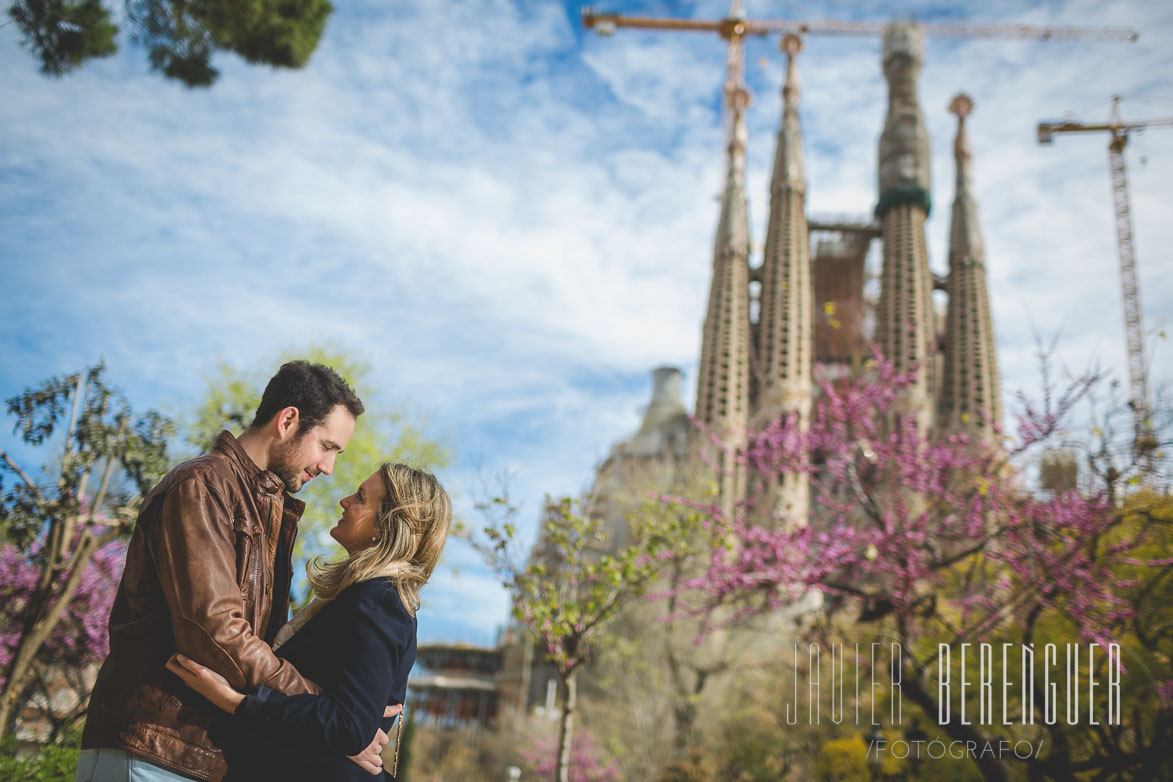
457,686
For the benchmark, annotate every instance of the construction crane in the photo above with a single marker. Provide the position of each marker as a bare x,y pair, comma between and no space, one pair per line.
738,26
1145,439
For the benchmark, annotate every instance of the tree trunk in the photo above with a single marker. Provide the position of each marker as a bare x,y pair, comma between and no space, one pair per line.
992,768
685,713
566,725
681,708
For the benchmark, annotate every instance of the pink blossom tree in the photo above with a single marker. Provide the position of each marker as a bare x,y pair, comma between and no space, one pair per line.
80,640
940,538
57,526
587,763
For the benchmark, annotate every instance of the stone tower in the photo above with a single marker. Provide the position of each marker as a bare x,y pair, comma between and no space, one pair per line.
785,340
905,323
968,398
665,428
722,399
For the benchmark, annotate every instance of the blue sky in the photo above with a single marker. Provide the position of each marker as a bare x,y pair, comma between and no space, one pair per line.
511,219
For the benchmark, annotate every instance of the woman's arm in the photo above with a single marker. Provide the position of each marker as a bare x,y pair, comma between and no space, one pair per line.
216,689
206,682
368,653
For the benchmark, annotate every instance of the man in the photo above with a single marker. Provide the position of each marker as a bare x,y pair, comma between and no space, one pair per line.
207,574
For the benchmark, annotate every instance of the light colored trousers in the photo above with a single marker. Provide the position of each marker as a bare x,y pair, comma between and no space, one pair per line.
115,765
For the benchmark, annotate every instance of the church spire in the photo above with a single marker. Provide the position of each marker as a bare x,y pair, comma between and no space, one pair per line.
905,321
969,398
789,170
723,382
786,341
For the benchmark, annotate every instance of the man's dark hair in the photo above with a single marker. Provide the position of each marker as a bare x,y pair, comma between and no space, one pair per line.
314,389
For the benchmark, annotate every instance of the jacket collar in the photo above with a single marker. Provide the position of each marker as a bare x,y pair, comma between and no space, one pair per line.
266,481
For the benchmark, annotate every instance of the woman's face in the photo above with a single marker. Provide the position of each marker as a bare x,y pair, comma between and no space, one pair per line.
357,526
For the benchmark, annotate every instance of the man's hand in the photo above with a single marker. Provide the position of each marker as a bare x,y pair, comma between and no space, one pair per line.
206,682
370,759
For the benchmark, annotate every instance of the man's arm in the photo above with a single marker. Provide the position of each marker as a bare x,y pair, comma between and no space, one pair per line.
193,546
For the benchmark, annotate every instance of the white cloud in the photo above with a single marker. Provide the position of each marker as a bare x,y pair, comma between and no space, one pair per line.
514,227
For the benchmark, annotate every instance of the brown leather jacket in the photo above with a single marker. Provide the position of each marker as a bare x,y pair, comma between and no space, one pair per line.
199,579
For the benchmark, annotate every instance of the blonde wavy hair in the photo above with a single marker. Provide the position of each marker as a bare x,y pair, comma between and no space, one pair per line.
412,520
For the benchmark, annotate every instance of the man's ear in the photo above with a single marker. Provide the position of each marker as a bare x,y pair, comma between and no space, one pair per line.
288,421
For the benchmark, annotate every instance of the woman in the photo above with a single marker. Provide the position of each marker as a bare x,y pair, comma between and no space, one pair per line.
356,640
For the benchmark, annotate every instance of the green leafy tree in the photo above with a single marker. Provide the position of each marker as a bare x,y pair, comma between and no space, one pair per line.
60,519
384,433
180,36
657,663
572,588
843,760
65,34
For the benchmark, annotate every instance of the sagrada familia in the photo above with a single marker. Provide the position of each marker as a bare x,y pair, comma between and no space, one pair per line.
758,352
757,357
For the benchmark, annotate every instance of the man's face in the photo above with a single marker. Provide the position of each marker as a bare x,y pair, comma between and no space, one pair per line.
311,453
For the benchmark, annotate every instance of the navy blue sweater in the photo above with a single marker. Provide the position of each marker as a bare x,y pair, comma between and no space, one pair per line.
359,649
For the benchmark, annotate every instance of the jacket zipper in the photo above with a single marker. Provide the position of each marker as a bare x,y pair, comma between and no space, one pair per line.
253,577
